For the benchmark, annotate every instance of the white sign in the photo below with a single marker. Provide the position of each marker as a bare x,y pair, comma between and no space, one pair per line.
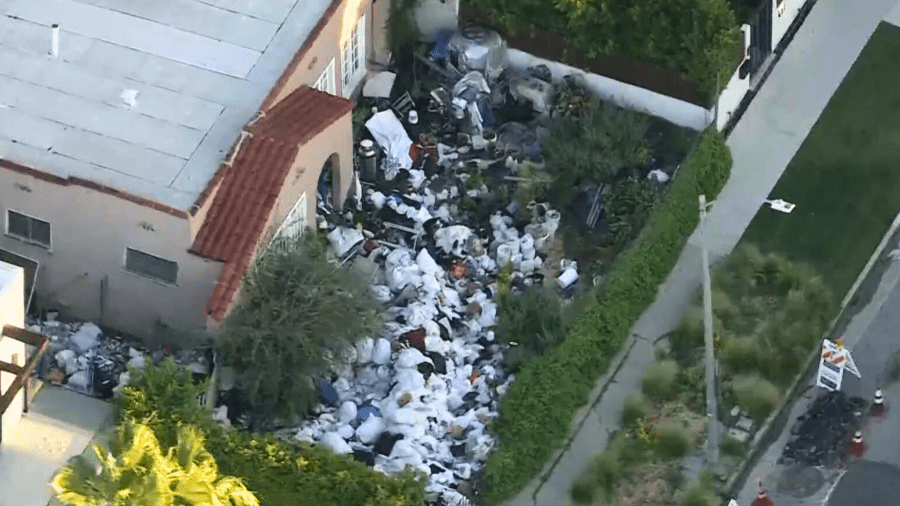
834,360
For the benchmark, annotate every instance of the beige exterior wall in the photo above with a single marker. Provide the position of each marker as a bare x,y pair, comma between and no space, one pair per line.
89,233
12,312
327,45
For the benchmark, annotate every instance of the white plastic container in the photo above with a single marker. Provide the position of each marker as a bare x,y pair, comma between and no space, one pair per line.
566,279
503,255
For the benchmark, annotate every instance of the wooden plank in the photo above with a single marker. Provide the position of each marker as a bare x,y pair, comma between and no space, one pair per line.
26,336
11,368
30,338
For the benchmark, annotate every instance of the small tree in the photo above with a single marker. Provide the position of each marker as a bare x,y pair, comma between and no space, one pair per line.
137,473
298,311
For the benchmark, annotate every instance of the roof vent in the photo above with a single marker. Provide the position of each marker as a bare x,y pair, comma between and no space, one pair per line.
54,44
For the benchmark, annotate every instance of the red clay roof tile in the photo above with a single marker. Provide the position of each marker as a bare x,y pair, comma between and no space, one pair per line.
250,186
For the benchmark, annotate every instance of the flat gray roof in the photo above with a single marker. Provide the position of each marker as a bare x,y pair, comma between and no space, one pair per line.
197,71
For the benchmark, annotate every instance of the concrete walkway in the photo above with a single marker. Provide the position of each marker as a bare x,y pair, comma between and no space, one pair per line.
762,144
59,425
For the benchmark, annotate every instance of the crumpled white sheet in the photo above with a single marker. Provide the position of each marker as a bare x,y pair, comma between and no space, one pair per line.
391,136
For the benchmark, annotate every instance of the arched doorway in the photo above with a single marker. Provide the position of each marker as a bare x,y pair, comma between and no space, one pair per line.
329,189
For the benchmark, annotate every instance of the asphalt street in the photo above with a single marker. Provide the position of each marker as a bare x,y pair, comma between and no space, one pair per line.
873,337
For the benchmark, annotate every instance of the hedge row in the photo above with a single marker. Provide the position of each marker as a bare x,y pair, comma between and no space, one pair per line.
698,38
536,413
280,474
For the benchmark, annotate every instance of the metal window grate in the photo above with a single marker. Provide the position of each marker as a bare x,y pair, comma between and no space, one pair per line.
151,266
28,228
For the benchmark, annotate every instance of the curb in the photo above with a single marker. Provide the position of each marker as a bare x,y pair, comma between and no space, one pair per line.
766,433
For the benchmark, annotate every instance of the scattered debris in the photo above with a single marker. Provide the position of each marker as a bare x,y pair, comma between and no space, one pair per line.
820,436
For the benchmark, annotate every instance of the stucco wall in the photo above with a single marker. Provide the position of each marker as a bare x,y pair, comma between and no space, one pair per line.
12,312
327,45
622,94
434,16
304,176
89,233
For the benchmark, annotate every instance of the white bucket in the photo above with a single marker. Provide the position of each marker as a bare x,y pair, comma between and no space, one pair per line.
528,254
528,266
527,242
516,260
503,255
567,278
552,221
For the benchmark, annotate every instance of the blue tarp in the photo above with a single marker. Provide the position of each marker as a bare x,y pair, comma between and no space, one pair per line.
487,115
366,411
327,394
441,48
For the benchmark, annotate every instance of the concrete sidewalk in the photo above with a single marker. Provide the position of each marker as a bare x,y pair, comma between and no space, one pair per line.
59,425
762,144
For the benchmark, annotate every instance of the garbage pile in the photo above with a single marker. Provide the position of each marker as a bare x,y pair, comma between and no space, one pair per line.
79,357
820,437
432,222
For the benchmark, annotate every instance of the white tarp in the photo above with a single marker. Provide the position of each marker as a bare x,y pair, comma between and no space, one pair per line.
391,136
834,360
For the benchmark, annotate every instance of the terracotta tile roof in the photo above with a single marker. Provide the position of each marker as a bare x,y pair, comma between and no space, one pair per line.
250,187
301,115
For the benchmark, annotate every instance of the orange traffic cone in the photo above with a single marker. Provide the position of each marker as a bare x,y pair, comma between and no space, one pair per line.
762,499
877,405
857,447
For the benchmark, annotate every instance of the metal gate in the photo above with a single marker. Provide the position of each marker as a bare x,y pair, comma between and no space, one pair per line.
760,36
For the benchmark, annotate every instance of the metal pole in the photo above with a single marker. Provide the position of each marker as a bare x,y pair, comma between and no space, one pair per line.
712,439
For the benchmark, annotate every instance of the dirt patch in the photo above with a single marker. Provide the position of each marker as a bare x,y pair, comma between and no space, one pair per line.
679,415
649,485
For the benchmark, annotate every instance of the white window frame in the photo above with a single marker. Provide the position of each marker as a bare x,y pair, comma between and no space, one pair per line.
353,57
48,246
295,222
145,275
326,82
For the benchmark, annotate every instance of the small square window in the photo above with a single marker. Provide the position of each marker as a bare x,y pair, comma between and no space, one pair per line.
28,228
151,266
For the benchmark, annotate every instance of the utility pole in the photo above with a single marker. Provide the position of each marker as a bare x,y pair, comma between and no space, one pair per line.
712,438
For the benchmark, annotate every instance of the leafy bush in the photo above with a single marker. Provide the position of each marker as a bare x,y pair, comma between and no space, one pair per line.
535,320
595,146
756,395
297,313
733,447
583,492
698,495
607,472
628,207
137,470
279,473
659,381
698,38
634,409
536,413
672,442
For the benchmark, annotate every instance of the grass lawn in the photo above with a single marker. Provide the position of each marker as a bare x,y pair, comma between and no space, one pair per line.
845,178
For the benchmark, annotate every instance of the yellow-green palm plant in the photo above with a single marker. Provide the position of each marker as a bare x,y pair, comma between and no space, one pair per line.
137,473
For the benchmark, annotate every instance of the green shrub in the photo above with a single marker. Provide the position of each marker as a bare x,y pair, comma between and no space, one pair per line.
733,447
756,395
534,320
634,409
698,38
536,413
607,472
279,473
609,139
583,492
698,494
297,313
658,383
672,442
